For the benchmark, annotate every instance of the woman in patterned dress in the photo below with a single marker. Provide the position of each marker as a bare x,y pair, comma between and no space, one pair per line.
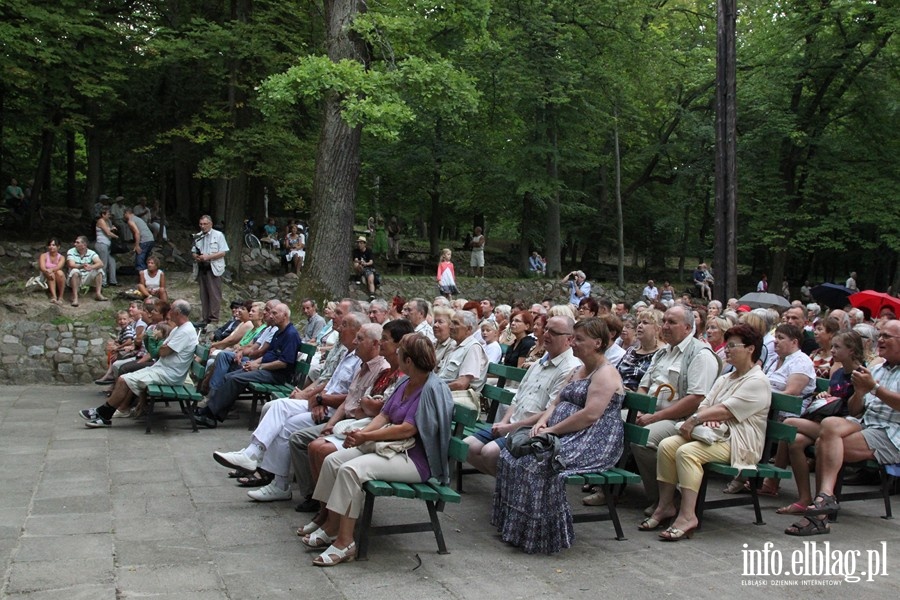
530,508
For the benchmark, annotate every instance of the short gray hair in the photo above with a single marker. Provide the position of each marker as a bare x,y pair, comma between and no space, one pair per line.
421,305
371,331
356,319
814,308
468,318
182,307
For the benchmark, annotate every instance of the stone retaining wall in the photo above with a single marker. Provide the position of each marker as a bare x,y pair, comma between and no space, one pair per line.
46,353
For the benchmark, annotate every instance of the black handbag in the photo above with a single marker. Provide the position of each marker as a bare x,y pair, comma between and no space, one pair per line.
544,446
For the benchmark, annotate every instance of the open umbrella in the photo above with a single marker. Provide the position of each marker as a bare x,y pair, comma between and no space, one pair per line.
764,300
875,301
831,295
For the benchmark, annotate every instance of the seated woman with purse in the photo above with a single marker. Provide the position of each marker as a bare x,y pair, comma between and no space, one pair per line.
407,442
846,349
729,426
583,424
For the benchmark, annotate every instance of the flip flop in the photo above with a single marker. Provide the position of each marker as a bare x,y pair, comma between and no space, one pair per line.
792,509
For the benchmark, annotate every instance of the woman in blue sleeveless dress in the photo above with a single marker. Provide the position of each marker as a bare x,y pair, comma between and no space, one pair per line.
530,508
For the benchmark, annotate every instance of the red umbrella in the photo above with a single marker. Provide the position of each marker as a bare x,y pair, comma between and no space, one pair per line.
875,301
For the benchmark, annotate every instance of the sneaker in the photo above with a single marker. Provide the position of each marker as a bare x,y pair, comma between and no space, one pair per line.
123,414
235,460
88,414
97,423
104,381
270,493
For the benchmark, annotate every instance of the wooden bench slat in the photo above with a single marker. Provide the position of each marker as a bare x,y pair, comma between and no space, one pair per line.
402,490
446,494
425,492
379,488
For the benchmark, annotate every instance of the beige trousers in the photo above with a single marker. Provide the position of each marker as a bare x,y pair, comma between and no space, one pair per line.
345,471
680,461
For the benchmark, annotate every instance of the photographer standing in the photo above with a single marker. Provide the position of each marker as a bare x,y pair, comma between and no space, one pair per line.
209,252
578,287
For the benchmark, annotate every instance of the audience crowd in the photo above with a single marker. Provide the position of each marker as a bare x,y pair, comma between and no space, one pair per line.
378,399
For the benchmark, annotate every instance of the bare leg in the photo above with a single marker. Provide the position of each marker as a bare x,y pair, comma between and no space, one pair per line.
75,285
839,440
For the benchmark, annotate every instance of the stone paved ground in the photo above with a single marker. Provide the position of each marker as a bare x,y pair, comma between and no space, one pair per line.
114,513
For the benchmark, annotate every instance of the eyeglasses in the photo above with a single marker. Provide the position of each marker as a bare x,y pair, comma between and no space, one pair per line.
551,332
887,336
733,346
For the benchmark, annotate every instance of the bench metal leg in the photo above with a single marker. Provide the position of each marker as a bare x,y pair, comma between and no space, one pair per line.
886,492
150,403
608,490
436,525
362,545
755,482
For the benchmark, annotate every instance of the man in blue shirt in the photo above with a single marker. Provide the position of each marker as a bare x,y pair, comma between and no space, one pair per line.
275,366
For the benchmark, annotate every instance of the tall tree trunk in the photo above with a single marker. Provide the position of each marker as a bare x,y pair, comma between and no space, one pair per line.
725,248
71,192
337,168
43,170
552,235
182,169
94,170
235,205
524,232
619,218
434,193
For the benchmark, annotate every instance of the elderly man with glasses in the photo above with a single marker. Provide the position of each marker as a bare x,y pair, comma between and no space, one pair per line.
541,384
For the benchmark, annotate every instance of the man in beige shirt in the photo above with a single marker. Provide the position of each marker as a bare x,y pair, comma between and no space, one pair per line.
687,365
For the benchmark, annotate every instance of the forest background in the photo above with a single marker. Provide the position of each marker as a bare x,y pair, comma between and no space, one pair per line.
535,118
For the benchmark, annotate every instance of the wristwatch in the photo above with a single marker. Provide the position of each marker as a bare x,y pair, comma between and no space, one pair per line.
875,389
319,399
695,418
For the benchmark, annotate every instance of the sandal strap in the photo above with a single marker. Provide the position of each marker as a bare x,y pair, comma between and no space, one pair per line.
332,550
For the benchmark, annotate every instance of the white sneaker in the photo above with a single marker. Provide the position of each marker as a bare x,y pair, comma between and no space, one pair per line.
270,493
235,460
123,414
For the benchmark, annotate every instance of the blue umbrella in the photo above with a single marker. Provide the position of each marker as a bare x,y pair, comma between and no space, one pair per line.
831,295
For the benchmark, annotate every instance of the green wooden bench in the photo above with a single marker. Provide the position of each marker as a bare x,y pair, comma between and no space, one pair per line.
776,432
504,375
431,492
822,384
263,392
185,394
613,481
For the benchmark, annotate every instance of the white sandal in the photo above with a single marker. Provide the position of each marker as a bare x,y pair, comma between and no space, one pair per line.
308,528
345,555
318,539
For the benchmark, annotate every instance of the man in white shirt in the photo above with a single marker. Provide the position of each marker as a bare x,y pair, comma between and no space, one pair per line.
209,253
175,356
416,312
650,293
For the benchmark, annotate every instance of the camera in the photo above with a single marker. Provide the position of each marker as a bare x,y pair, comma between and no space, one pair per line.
195,239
